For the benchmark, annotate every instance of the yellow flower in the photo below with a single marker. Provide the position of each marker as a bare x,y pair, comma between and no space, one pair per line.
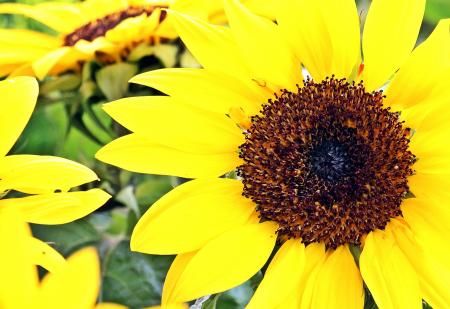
39,186
105,30
346,183
75,284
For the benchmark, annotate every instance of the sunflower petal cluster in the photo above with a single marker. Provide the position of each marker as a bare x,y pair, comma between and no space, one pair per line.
197,129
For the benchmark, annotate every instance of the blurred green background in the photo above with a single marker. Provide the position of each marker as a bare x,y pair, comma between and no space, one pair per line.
129,278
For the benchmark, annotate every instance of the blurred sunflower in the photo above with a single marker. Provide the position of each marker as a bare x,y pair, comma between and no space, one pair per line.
346,183
20,286
104,30
39,186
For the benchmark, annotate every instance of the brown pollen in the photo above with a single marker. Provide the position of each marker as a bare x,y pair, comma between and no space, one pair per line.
99,27
328,163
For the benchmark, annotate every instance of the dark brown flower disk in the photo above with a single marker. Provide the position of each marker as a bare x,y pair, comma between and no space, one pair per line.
328,163
99,27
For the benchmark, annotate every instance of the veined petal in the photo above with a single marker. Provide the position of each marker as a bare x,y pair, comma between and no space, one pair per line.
164,121
325,35
433,279
74,286
19,281
429,185
201,210
44,255
255,34
19,97
34,174
282,276
336,283
204,89
58,16
57,208
416,79
225,262
390,34
136,153
213,46
388,274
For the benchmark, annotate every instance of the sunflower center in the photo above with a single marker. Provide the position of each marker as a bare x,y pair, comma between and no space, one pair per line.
328,163
100,26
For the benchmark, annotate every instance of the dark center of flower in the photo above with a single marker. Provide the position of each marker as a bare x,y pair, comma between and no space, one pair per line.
328,163
99,27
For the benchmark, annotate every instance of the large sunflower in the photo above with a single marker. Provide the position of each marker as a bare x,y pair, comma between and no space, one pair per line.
105,30
39,186
346,183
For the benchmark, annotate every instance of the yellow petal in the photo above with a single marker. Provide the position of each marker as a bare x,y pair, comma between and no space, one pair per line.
433,279
74,286
336,283
390,34
137,154
58,16
225,262
176,269
200,210
110,306
430,222
46,63
28,38
19,280
416,79
18,100
282,276
44,255
388,274
205,89
42,174
260,39
57,208
429,185
163,121
325,35
213,46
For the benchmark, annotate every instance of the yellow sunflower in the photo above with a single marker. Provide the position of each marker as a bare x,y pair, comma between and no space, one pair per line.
345,184
39,186
75,284
105,30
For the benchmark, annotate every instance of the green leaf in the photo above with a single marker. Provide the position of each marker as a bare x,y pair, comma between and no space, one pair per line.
133,279
64,82
151,190
235,298
69,237
211,302
113,79
436,10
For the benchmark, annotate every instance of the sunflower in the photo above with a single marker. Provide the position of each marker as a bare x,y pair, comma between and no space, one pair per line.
36,185
62,288
104,30
341,175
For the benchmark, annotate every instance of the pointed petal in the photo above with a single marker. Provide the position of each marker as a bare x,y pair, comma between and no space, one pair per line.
57,208
136,153
213,46
74,286
19,274
433,279
422,70
388,274
282,276
42,174
173,275
225,262
255,34
28,38
336,283
45,64
44,255
19,97
325,35
164,121
205,89
200,210
390,34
